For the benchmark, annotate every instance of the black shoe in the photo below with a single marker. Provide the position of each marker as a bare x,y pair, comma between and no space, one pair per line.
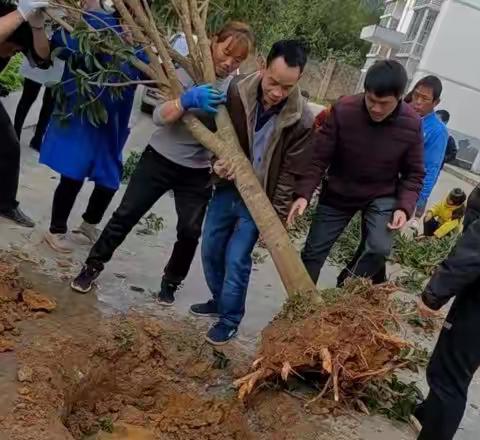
83,283
220,334
16,215
166,296
205,309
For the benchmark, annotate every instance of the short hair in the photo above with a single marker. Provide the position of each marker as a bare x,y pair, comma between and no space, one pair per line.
444,115
241,34
292,51
305,94
386,78
432,82
22,36
457,196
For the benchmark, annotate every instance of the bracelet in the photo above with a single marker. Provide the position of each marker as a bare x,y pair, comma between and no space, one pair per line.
178,104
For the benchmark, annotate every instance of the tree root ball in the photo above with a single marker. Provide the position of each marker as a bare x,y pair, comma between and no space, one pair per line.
344,341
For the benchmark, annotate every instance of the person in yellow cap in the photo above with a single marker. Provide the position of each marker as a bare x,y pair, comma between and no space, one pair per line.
446,216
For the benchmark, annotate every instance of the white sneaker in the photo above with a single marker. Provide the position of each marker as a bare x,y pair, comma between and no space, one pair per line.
58,242
88,230
414,224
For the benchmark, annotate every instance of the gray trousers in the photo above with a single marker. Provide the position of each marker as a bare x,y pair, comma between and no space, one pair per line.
328,223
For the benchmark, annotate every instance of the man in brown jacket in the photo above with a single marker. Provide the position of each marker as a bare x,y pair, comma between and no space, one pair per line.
273,124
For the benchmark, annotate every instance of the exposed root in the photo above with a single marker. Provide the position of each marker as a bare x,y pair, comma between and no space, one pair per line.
345,343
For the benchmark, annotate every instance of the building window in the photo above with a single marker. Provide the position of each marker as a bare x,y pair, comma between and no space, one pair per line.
384,22
374,49
415,25
389,8
427,27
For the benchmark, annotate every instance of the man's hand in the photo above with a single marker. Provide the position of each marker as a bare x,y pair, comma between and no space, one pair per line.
426,312
224,168
27,7
399,220
298,208
36,19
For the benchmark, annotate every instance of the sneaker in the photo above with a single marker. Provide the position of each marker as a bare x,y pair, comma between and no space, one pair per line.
88,230
83,283
205,309
16,215
220,334
166,296
58,242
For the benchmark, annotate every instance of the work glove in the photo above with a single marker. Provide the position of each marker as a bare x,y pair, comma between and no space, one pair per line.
26,7
205,98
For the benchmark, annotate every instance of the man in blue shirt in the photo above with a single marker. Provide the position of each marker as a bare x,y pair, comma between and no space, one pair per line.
425,97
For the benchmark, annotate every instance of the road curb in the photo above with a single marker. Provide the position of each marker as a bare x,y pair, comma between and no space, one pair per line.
454,172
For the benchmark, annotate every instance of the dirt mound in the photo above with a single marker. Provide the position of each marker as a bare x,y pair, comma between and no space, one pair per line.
341,345
17,303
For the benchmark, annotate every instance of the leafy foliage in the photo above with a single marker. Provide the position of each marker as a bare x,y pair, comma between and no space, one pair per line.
10,77
412,281
151,224
347,244
327,26
393,398
130,165
423,255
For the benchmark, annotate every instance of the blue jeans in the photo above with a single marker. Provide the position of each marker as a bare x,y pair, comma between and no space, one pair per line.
229,236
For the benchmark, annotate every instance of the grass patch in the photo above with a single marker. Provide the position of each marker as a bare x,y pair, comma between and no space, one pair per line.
10,77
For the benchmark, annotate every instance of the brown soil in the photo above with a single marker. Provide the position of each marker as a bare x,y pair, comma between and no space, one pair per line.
132,377
16,304
341,345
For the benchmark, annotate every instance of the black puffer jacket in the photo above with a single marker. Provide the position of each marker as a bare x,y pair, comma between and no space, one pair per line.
459,274
473,207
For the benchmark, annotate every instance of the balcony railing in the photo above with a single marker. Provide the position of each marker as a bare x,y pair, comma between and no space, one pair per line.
432,4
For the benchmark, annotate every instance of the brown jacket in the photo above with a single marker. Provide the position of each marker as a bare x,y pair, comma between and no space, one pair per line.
286,153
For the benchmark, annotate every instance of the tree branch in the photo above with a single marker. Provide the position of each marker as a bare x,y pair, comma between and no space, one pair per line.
203,42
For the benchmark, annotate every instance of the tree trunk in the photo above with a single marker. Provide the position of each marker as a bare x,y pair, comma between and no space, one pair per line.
286,258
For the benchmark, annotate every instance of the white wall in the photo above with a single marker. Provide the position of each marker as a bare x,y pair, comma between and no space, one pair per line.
453,54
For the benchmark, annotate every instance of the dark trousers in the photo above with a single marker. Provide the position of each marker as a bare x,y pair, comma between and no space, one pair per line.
430,226
454,361
153,177
64,199
9,162
329,223
30,92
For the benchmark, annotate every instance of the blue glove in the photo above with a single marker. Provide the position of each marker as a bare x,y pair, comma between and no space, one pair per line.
204,97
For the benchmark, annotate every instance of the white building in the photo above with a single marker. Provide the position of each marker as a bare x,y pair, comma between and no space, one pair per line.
442,38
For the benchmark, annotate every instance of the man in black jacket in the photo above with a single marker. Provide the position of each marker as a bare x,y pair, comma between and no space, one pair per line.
457,354
21,30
